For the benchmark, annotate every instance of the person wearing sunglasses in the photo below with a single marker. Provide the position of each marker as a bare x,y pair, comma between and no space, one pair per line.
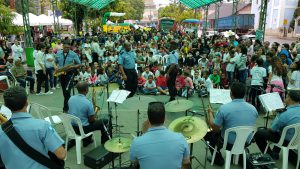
159,147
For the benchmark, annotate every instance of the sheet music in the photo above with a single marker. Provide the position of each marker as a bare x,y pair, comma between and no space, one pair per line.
118,96
221,96
271,101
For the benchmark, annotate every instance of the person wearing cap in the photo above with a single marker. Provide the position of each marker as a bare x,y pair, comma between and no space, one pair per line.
289,117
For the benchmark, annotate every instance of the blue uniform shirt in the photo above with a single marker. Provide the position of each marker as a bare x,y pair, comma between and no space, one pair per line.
81,107
289,117
233,114
72,58
36,133
127,59
173,58
159,148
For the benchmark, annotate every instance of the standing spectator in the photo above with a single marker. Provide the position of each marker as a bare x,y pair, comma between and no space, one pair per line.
50,67
88,53
241,65
95,49
294,81
231,61
17,50
39,65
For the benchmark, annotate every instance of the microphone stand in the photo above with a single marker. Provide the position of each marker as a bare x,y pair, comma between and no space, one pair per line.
71,81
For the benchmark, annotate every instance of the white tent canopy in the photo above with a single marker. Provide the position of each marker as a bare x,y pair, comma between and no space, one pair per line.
40,20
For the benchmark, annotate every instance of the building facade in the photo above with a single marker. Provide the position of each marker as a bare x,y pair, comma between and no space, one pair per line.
277,12
150,12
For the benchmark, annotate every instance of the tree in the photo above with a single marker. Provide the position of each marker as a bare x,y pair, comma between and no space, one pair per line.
296,14
18,6
177,12
6,20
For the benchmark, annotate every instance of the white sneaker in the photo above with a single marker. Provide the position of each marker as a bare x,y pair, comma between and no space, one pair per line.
48,93
57,86
39,94
53,88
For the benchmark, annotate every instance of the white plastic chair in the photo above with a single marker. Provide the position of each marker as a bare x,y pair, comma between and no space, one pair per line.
293,144
67,120
4,77
43,112
16,83
242,134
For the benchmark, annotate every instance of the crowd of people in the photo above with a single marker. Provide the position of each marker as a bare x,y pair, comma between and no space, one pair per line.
168,63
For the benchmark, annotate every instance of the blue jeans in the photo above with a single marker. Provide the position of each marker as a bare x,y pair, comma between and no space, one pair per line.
147,91
230,77
52,79
243,76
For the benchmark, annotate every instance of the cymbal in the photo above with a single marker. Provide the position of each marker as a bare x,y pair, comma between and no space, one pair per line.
138,103
118,145
179,105
191,127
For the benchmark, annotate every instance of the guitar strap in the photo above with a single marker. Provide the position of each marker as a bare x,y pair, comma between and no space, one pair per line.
15,137
65,57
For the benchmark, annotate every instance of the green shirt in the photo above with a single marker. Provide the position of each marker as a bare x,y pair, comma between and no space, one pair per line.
215,78
18,71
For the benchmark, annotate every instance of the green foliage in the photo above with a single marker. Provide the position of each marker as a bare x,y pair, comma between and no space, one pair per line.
6,20
177,12
18,5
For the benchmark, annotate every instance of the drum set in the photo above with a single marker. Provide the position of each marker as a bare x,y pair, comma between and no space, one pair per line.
191,127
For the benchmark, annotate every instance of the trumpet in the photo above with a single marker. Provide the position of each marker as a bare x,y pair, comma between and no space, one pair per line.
3,118
94,101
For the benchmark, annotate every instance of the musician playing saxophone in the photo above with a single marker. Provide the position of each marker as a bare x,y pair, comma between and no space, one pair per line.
236,113
83,108
66,57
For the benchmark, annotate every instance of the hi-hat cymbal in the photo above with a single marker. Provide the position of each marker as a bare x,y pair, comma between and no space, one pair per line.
191,127
179,105
138,103
118,145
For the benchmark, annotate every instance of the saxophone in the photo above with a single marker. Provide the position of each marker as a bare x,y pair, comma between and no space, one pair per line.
3,118
94,101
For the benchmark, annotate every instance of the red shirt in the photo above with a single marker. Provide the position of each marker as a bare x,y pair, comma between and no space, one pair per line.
179,82
141,81
161,81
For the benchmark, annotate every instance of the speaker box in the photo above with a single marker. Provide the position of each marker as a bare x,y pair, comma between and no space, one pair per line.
98,157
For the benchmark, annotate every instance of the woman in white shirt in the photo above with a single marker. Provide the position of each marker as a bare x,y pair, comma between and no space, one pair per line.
50,66
294,81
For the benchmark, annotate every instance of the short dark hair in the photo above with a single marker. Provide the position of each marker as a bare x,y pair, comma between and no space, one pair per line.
162,72
260,62
238,90
156,113
294,95
82,87
15,98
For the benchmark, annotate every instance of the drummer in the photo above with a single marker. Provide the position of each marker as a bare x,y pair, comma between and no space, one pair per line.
159,147
236,113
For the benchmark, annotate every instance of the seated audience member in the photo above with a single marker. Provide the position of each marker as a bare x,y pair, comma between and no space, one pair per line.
294,80
258,73
10,62
236,113
102,77
273,134
141,83
21,75
171,149
161,83
87,74
150,86
224,81
215,79
188,85
37,133
83,108
93,79
157,72
207,86
179,83
197,80
147,73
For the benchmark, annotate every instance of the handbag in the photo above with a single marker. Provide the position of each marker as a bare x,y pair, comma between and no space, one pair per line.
53,162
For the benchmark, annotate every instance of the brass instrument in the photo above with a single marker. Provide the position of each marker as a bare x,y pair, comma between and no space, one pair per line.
3,118
64,70
94,101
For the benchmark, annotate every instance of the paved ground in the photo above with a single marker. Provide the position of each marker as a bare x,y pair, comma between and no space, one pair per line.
127,116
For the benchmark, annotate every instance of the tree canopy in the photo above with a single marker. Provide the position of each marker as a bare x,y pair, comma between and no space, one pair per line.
178,12
6,20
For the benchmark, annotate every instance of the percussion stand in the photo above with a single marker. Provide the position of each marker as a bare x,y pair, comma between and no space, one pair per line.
71,83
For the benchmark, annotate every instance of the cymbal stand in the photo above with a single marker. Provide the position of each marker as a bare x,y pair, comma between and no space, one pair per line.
138,132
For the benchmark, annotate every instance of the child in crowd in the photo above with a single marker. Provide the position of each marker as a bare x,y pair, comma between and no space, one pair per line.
141,83
93,79
86,74
203,62
150,86
210,63
147,73
188,85
294,80
224,82
88,53
217,63
207,86
161,83
102,77
197,80
215,78
179,83
158,70
258,73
